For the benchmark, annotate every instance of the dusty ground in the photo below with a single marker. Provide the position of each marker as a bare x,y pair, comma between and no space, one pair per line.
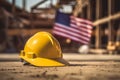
79,70
109,70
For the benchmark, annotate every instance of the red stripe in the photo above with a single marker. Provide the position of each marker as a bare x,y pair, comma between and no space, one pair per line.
81,20
68,36
87,31
87,26
72,33
75,35
71,30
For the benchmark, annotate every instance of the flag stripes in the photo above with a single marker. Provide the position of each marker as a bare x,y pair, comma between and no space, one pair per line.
78,29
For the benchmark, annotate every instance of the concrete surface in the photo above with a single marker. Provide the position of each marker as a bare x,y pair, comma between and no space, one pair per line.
83,67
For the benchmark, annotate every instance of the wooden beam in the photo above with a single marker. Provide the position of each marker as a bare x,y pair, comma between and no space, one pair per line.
12,32
13,6
106,19
39,3
78,8
24,5
85,3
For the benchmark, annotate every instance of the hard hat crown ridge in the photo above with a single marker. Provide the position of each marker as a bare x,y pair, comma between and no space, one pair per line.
42,49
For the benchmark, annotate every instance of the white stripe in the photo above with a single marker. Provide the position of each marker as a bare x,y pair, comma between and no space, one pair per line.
73,38
81,20
81,24
84,25
69,28
61,25
81,28
73,29
72,33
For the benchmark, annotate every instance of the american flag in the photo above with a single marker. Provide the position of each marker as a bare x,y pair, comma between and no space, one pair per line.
76,29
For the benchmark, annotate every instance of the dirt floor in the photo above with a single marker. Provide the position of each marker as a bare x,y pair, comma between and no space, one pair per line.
79,70
83,67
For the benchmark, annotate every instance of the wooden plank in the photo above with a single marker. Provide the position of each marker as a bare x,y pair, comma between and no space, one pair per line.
106,19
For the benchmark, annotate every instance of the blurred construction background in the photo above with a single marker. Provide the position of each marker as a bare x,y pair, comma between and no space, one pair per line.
17,24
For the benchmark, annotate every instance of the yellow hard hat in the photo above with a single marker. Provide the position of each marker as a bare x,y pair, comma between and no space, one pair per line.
42,49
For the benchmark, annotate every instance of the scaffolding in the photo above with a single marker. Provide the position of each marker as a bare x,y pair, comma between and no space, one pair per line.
105,15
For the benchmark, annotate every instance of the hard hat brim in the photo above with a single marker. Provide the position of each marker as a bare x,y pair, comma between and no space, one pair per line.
45,61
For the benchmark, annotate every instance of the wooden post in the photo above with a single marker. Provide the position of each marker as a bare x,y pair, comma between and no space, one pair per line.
89,10
13,6
24,5
110,41
98,37
78,8
31,18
